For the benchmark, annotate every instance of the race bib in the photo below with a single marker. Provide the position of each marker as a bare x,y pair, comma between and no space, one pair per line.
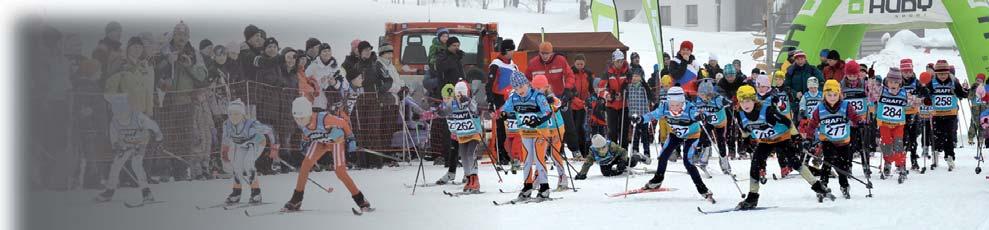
836,130
943,100
763,133
892,112
679,131
857,104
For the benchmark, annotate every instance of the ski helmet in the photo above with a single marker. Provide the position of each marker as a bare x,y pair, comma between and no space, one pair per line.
301,107
447,91
461,89
675,94
598,141
236,107
745,92
832,86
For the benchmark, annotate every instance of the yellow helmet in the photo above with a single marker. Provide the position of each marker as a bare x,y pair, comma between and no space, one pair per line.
746,92
779,75
447,91
832,86
666,81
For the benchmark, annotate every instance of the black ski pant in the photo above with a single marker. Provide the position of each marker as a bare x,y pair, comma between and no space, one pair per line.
575,135
618,126
944,134
690,147
840,157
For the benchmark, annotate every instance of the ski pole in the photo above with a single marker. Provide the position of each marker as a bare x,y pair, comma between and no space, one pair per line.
714,141
494,160
327,189
627,175
868,185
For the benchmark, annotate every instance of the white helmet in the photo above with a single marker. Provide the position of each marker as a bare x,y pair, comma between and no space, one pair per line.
675,94
461,89
301,107
237,107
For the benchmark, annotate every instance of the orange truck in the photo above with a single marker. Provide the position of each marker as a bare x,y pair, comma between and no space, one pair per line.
411,41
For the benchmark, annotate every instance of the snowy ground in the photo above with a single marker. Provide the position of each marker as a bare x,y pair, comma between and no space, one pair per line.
936,200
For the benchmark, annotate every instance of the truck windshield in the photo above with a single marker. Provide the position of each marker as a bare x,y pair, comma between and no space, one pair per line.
415,48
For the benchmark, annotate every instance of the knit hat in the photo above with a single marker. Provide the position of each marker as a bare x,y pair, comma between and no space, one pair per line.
655,67
113,26
312,42
301,107
250,31
385,48
540,82
756,70
506,45
779,74
675,94
799,53
546,47
687,45
617,55
269,41
363,46
601,84
633,56
712,57
706,87
237,107
833,55
894,74
598,141
942,67
730,70
204,43
452,40
354,43
518,79
825,52
461,89
745,92
666,80
832,86
851,68
980,76
762,80
441,31
812,82
906,65
324,46
134,41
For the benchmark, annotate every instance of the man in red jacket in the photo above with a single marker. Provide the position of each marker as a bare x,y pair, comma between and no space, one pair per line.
617,80
561,80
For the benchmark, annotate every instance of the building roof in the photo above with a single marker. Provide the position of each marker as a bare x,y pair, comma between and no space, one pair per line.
568,42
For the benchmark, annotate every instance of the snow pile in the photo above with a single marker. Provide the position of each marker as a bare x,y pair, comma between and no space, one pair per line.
906,44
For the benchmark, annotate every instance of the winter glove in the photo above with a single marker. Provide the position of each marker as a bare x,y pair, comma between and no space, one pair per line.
351,144
537,121
637,119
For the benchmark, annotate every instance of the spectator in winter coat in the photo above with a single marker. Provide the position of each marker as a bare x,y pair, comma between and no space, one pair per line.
576,137
206,51
798,73
312,50
269,64
323,74
192,122
617,82
730,83
557,71
658,73
684,67
498,87
836,67
389,74
366,73
712,66
136,80
449,67
255,46
108,49
824,59
288,78
633,64
438,46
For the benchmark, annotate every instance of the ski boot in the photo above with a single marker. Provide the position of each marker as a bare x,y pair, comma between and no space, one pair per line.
654,183
294,204
822,192
362,203
647,159
785,171
914,166
515,167
146,194
543,192
255,196
709,197
563,184
234,197
447,178
725,166
580,176
526,192
886,171
903,175
750,202
472,185
104,196
951,163
845,194
934,158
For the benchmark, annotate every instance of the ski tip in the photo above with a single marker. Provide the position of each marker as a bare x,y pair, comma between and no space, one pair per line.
247,213
356,213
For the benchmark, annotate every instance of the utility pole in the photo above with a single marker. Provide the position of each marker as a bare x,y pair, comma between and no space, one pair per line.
718,3
770,36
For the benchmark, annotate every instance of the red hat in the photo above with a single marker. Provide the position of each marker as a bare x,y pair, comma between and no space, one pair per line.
906,65
851,68
539,82
980,76
602,84
799,53
687,45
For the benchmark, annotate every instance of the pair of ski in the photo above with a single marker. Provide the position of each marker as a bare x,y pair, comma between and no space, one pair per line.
355,211
232,206
141,204
525,201
431,185
463,193
554,190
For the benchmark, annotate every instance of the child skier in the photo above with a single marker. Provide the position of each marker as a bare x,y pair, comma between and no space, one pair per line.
611,157
891,119
246,139
553,131
713,107
770,128
531,110
831,122
770,96
944,92
465,124
912,128
130,132
596,109
684,121
326,133
853,91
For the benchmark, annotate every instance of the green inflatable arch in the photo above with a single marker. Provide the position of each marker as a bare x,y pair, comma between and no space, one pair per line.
969,24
